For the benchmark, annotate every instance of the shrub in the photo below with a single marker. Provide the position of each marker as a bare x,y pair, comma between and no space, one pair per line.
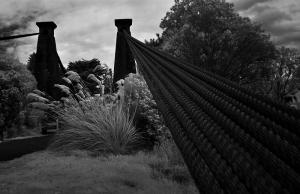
15,82
148,120
10,106
96,127
87,67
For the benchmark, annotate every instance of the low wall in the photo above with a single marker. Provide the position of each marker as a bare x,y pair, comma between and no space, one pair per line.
17,147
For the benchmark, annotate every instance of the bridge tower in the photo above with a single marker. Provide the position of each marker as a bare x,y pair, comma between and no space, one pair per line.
124,61
48,68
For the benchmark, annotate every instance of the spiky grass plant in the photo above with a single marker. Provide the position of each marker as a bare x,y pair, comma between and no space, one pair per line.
96,127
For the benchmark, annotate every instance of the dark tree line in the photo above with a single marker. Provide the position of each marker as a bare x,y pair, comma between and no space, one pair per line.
211,34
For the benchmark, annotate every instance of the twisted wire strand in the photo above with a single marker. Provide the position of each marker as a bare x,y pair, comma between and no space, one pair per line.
263,98
278,144
203,177
276,128
231,140
286,175
283,115
254,176
217,163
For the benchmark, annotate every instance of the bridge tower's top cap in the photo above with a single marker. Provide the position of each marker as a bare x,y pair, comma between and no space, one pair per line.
123,24
46,25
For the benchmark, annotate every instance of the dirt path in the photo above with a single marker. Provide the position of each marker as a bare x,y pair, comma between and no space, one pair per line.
47,172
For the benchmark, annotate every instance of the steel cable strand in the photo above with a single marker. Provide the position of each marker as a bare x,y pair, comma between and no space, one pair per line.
277,129
171,128
18,36
264,108
276,166
233,153
201,173
218,165
287,121
245,166
277,104
238,112
281,107
279,170
288,152
284,126
268,111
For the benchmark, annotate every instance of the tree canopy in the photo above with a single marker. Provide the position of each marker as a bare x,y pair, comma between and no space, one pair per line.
211,34
86,67
15,82
285,72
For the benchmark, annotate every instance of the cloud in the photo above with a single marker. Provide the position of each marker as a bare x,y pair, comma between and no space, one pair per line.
14,24
85,27
279,18
269,16
247,4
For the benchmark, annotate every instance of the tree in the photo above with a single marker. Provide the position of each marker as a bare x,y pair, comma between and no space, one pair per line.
86,67
210,34
155,42
15,82
31,63
285,72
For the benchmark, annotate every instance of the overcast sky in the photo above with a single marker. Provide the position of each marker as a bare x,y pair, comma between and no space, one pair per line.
86,27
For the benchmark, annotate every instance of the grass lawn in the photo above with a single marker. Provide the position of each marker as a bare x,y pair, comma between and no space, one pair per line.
77,172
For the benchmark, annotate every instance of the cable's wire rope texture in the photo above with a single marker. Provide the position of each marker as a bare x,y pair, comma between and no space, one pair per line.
233,141
261,104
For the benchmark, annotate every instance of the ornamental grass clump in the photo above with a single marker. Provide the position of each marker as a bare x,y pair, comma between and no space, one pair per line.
97,127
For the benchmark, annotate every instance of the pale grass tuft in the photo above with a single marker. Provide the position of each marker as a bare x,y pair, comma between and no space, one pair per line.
94,78
39,106
73,76
63,88
97,128
32,97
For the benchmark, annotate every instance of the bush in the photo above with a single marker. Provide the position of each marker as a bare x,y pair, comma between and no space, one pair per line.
10,106
15,82
96,127
148,120
101,71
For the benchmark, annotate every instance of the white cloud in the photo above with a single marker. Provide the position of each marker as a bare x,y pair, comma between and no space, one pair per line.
280,18
85,27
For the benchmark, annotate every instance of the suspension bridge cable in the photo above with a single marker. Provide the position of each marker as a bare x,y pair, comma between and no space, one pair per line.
282,114
232,140
216,112
17,36
225,83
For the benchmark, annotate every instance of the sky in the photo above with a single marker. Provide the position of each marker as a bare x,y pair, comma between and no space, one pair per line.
86,27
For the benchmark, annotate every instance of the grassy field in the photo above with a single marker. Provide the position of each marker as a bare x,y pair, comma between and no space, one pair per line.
78,172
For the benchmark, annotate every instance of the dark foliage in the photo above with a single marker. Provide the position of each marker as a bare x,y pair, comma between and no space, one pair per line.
155,42
31,63
86,67
15,82
210,34
285,73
